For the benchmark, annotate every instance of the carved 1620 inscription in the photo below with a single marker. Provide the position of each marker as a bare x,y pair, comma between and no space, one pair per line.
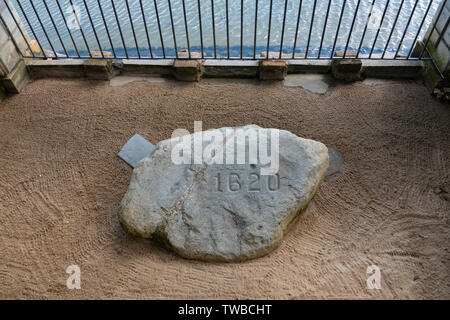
251,182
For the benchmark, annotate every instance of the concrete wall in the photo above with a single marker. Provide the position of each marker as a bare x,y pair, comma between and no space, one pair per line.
13,74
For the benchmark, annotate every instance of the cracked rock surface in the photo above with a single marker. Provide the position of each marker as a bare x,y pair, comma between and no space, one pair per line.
222,212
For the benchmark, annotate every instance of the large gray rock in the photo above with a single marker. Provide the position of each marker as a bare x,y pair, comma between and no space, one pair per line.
223,212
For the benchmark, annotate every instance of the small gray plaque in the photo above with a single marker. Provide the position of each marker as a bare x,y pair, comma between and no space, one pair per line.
135,149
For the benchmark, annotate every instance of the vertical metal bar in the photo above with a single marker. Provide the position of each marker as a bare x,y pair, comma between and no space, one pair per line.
420,28
379,28
270,24
173,31
432,30
228,30
93,28
351,29
406,29
11,36
120,29
296,28
442,33
67,27
56,29
256,29
201,29
324,27
43,29
310,28
337,30
106,28
31,28
392,30
146,29
242,27
81,29
282,28
186,29
213,28
159,29
365,28
18,27
132,29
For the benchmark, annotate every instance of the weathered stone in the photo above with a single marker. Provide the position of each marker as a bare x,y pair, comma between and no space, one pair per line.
98,69
348,54
61,68
187,70
222,212
347,69
144,67
101,53
272,70
185,54
16,80
230,68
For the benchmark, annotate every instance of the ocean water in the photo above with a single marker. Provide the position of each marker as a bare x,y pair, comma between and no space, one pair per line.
240,35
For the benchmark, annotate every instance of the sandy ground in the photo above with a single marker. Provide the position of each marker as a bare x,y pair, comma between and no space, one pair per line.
61,184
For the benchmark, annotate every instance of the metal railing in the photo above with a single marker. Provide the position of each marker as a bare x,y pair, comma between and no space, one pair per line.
222,29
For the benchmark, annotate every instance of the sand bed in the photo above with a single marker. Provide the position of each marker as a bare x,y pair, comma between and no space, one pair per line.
61,184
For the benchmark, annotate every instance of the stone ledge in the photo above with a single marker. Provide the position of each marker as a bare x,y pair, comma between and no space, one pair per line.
187,70
272,70
230,68
98,69
16,80
136,66
67,68
308,66
392,69
346,69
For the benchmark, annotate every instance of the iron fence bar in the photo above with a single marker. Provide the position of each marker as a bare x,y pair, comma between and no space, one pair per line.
393,28
11,35
213,28
20,29
120,29
81,29
379,28
365,28
441,34
93,28
56,28
68,29
186,29
132,29
146,29
228,30
242,27
256,28
270,25
337,30
31,28
310,28
282,28
324,27
406,29
296,28
351,28
106,28
173,30
43,29
159,29
418,31
201,30
432,30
